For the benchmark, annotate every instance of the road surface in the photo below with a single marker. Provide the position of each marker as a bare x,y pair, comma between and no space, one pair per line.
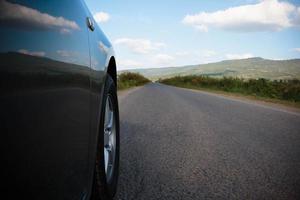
183,144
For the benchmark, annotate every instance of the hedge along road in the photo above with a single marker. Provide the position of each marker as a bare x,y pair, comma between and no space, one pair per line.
182,144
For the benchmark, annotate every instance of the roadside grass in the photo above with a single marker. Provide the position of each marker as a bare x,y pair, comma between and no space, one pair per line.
285,92
129,79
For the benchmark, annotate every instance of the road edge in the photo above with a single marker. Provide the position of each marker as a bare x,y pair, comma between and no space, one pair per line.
122,94
245,99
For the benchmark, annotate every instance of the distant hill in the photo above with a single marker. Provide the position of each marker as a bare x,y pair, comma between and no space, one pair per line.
244,68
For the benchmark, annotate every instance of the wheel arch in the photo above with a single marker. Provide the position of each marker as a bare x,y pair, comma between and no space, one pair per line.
112,69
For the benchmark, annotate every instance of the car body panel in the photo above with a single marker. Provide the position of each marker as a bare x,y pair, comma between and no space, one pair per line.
52,70
101,53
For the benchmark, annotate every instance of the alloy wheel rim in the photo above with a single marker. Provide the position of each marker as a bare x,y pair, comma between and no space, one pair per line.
109,139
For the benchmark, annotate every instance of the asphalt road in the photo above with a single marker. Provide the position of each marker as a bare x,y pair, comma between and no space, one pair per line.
182,144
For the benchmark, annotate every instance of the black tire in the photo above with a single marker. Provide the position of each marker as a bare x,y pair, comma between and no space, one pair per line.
102,189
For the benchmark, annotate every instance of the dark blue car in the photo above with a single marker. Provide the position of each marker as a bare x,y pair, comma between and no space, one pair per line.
59,118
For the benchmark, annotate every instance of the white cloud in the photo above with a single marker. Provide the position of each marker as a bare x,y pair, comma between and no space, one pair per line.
267,15
75,57
239,56
103,47
64,53
128,64
101,17
182,53
140,46
65,31
297,49
163,59
16,15
208,53
201,28
32,53
296,20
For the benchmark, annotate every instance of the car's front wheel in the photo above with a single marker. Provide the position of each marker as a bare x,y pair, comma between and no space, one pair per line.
108,148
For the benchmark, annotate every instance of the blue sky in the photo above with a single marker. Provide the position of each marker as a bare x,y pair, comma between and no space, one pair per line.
167,33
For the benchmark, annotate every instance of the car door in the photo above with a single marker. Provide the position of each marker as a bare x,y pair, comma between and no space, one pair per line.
101,53
45,98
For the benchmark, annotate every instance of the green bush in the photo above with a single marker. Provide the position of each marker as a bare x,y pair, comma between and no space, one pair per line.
129,79
282,89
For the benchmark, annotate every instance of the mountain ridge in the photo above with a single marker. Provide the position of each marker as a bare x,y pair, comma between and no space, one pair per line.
255,67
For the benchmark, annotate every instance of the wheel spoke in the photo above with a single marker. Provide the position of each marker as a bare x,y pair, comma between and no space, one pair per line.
111,120
109,138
